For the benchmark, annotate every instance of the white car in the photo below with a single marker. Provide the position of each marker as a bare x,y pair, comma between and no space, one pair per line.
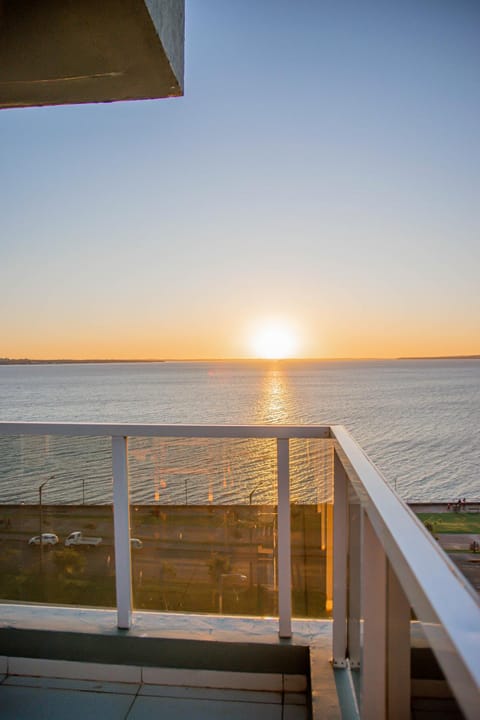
44,539
136,543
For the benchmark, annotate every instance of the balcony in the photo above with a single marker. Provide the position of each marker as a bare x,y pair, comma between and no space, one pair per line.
265,559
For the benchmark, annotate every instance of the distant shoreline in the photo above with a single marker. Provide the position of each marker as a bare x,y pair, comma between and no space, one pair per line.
442,357
27,361
111,361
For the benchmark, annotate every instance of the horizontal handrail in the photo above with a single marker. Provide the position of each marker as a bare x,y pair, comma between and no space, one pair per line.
170,431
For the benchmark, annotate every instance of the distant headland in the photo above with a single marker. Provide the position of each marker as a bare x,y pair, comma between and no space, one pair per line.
70,361
442,357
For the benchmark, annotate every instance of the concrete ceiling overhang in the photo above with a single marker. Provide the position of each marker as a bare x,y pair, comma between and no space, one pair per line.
57,52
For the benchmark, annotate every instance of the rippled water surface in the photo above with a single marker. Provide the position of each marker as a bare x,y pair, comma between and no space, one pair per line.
418,420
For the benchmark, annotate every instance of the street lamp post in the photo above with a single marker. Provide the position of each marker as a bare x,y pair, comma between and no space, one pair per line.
250,533
40,489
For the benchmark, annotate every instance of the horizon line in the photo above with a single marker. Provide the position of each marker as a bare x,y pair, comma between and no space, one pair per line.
105,361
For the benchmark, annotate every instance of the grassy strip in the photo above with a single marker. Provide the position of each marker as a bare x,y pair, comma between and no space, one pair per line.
452,522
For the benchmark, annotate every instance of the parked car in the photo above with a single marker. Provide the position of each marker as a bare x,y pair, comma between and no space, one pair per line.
78,538
136,543
44,539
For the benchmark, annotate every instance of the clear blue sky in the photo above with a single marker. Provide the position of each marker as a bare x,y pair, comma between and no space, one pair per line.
323,168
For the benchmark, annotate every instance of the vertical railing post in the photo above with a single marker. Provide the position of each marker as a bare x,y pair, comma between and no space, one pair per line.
328,519
284,540
398,651
340,548
374,608
121,523
354,582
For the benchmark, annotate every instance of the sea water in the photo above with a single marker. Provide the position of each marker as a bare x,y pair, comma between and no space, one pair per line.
418,420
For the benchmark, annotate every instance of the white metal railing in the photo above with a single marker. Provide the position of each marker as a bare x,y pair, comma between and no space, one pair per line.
384,564
120,434
401,567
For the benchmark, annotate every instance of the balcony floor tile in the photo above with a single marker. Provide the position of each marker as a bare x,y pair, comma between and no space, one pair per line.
213,679
22,703
71,684
46,698
295,712
295,698
193,693
145,708
98,672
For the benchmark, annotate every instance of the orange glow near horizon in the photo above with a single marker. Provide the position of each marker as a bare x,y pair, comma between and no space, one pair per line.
232,336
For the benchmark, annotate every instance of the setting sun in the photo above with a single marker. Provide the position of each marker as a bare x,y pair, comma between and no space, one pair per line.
274,341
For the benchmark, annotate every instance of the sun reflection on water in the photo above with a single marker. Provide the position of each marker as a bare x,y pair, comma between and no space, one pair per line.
274,401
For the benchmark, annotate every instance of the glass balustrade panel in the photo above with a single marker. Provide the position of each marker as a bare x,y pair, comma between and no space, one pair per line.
311,494
56,521
204,525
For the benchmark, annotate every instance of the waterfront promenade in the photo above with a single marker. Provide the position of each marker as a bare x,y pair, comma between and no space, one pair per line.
196,558
456,527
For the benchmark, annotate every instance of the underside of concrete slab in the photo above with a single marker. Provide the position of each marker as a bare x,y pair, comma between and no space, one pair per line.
57,52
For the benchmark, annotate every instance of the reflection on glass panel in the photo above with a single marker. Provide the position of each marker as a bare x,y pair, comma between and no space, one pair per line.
202,471
431,694
56,523
311,471
204,558
311,491
203,523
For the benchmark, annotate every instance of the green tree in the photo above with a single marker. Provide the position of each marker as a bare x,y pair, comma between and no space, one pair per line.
218,565
69,562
